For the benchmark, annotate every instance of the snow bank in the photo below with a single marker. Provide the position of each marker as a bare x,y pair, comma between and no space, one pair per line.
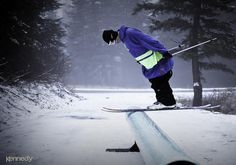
21,100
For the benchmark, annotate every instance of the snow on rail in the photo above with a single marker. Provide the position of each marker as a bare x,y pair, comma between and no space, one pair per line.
155,146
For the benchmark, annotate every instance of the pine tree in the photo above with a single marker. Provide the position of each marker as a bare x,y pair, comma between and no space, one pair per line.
196,20
31,45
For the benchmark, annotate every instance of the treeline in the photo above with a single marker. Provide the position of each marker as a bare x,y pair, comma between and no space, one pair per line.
197,21
31,41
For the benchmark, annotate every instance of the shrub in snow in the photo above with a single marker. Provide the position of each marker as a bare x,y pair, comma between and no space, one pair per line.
226,99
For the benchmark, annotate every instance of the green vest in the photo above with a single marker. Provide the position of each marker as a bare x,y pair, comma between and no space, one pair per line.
149,59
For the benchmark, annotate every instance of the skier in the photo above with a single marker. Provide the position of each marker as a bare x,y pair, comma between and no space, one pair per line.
156,61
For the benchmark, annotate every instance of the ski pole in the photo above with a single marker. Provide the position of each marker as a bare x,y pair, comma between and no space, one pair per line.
191,47
177,47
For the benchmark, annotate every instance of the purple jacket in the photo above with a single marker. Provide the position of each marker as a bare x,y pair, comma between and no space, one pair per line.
138,43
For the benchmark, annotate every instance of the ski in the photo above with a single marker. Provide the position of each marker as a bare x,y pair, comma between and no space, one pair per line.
119,110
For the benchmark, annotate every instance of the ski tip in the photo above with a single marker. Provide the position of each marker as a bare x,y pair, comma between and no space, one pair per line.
214,106
105,109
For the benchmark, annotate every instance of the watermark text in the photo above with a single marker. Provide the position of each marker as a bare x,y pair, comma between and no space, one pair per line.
19,159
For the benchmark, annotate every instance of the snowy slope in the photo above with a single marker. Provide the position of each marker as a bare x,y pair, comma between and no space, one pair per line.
79,132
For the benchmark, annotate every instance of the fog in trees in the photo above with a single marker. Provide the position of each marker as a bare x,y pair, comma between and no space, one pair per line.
62,41
195,21
97,64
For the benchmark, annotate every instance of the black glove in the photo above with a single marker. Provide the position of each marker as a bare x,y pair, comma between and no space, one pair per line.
167,55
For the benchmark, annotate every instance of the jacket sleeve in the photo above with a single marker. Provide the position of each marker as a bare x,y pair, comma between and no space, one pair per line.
147,41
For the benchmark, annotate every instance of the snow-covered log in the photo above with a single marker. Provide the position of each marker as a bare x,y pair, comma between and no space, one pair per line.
155,146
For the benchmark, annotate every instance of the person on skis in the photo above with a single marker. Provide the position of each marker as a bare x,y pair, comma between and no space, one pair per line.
156,61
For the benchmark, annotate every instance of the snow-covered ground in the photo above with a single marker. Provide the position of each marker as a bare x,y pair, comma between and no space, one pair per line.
78,132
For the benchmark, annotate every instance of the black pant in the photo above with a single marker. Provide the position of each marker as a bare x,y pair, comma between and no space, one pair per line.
162,89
